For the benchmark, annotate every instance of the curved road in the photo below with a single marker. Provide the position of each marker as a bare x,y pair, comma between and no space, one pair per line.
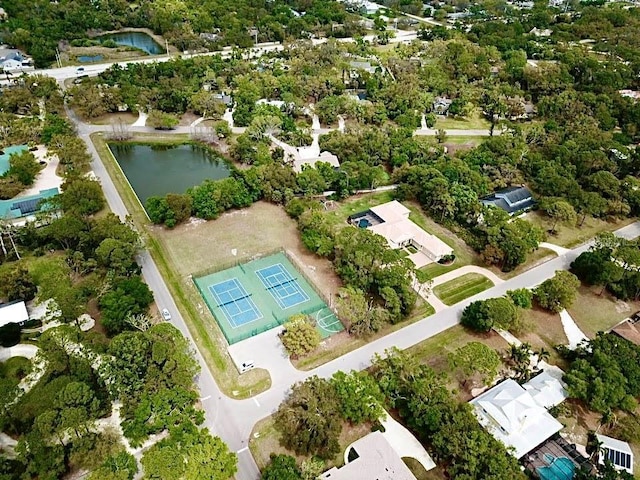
233,420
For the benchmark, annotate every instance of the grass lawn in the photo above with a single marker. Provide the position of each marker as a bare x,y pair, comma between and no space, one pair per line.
126,117
342,343
596,311
475,121
567,236
436,269
420,473
433,351
464,140
544,330
265,439
203,328
458,289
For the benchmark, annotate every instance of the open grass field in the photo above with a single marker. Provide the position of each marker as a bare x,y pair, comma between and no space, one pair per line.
474,121
571,236
596,311
265,439
458,289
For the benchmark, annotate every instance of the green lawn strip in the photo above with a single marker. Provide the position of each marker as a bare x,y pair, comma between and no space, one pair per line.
464,139
210,341
458,289
474,121
435,269
321,356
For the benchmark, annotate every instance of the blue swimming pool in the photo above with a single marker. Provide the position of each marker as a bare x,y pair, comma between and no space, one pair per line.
559,468
6,153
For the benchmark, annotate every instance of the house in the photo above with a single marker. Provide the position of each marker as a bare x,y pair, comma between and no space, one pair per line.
517,415
298,157
12,60
441,105
538,32
25,208
391,220
224,98
619,453
628,329
370,457
13,312
632,94
512,200
361,65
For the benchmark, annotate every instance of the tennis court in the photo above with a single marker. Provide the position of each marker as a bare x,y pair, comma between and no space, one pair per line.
282,286
235,302
259,295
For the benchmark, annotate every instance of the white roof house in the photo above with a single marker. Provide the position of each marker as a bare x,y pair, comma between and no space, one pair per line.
298,157
14,312
517,415
547,390
619,453
394,225
374,458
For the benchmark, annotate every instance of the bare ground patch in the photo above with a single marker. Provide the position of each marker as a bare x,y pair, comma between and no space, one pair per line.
201,245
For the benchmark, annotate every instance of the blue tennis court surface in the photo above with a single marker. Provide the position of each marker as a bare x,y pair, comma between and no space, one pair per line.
235,302
285,289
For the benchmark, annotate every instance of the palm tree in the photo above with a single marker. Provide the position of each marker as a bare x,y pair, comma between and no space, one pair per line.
543,355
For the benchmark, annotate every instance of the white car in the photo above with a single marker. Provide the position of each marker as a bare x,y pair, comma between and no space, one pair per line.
165,314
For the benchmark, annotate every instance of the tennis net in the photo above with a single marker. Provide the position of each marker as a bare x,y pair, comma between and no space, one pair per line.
286,282
234,300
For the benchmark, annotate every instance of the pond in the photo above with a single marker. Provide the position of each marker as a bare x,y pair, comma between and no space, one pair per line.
160,169
89,58
139,40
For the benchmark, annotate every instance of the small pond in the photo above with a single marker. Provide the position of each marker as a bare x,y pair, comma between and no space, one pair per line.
161,169
139,40
89,58
6,153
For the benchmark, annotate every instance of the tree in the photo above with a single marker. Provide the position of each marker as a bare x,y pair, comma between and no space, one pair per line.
441,135
81,196
559,292
521,297
24,167
559,211
483,315
128,296
281,467
475,357
309,419
18,284
300,335
162,121
359,395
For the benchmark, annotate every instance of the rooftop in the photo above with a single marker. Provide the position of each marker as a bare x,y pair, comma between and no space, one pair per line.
616,451
25,206
512,200
375,459
393,223
628,330
516,414
14,312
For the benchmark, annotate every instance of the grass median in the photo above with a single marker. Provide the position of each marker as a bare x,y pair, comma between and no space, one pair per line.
206,334
458,289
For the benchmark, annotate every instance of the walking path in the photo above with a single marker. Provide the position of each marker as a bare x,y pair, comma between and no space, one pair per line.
141,121
555,248
571,330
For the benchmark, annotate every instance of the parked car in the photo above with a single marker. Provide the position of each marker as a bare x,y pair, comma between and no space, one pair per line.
165,314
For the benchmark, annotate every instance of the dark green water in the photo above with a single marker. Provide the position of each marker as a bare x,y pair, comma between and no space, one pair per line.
139,40
161,169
